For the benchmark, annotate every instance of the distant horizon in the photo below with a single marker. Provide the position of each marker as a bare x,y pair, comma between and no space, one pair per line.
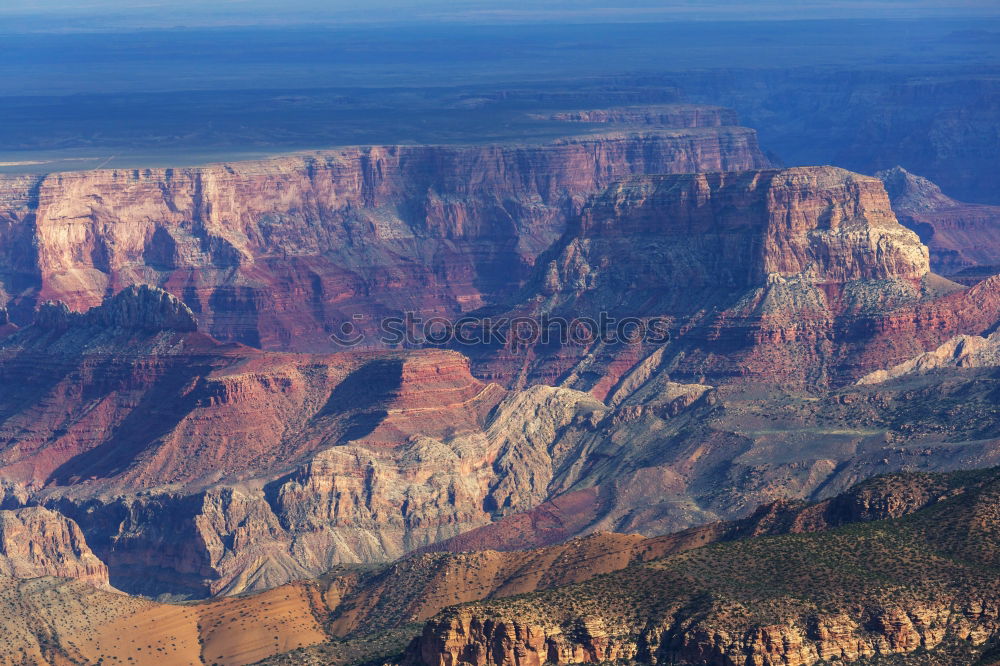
101,15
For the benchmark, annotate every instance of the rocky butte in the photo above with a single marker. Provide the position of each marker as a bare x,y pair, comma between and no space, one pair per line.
798,275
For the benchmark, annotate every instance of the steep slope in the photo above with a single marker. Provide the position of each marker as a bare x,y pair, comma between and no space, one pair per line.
646,469
196,467
925,582
128,394
964,239
36,542
280,253
421,585
799,276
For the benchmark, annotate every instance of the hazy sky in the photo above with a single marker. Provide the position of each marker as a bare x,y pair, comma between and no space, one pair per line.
159,13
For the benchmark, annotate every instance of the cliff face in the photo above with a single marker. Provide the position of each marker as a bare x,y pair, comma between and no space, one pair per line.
198,467
798,275
129,394
885,632
964,239
38,542
422,585
279,253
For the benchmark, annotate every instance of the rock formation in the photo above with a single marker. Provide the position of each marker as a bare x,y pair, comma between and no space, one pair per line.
201,468
198,468
964,239
799,275
962,351
38,542
372,613
282,252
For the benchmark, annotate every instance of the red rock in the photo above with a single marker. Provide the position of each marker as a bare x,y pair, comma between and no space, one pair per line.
801,275
279,253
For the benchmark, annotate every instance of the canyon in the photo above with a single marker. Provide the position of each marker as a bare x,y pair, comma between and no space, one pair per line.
964,239
197,466
796,276
189,449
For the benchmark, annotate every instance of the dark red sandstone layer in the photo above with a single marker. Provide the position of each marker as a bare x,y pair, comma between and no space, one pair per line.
279,253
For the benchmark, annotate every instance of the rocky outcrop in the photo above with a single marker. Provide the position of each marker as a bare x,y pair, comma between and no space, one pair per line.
38,542
798,275
884,632
964,239
281,253
141,307
137,308
962,351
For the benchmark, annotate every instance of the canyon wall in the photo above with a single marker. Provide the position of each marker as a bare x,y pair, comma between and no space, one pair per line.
199,468
36,542
196,467
280,253
801,275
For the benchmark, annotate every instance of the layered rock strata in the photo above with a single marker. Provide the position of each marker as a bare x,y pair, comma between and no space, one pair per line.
800,276
962,351
280,253
37,542
197,468
920,585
